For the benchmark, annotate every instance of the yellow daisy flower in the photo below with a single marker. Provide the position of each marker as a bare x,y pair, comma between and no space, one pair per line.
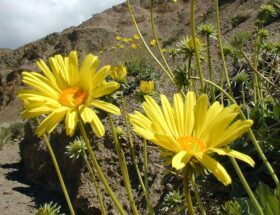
136,37
118,38
147,87
153,42
133,46
121,46
66,90
126,40
192,130
118,73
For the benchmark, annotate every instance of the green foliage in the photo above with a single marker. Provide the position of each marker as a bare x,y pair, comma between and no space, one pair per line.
231,208
239,18
268,13
207,30
240,39
141,70
5,136
76,148
267,198
49,209
173,201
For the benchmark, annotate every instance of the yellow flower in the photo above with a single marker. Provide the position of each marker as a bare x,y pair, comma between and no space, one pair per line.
163,50
147,87
67,90
133,46
121,46
136,37
126,40
118,38
192,131
118,73
130,39
153,42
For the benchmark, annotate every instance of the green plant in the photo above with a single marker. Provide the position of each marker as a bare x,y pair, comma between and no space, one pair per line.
231,208
49,209
5,136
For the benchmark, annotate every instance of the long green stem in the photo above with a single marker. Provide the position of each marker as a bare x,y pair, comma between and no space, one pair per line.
145,44
220,43
59,175
198,67
95,184
156,38
130,140
187,192
210,68
252,136
246,186
254,69
98,169
123,166
146,170
197,196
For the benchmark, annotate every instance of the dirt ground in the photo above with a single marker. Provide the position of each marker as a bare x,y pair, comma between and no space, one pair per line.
18,195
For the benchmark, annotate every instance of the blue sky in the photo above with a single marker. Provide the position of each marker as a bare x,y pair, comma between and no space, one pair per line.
23,21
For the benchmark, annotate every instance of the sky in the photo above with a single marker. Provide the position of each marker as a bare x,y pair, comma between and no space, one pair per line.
23,21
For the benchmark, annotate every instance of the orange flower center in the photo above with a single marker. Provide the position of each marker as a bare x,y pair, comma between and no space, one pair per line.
72,97
192,144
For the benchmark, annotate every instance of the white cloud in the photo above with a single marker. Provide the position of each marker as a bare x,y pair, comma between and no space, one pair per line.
22,21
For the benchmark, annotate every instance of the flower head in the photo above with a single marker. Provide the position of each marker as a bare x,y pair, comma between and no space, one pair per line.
133,46
147,87
191,130
153,42
136,37
76,148
118,38
67,90
118,73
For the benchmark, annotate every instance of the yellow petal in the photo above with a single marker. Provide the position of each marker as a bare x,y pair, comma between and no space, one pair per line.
89,116
71,120
179,114
215,167
169,115
73,68
235,154
51,121
105,89
233,132
200,113
101,75
106,107
190,102
167,142
180,160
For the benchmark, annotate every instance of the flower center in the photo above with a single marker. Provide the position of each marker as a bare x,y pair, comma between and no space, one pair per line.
72,97
192,144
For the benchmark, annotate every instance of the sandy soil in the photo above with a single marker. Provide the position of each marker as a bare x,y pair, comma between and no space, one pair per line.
15,192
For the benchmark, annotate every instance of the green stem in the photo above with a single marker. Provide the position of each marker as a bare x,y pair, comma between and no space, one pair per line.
197,196
243,96
220,43
59,175
246,186
95,184
98,169
145,44
130,140
192,8
123,166
146,170
210,68
156,38
188,198
254,69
